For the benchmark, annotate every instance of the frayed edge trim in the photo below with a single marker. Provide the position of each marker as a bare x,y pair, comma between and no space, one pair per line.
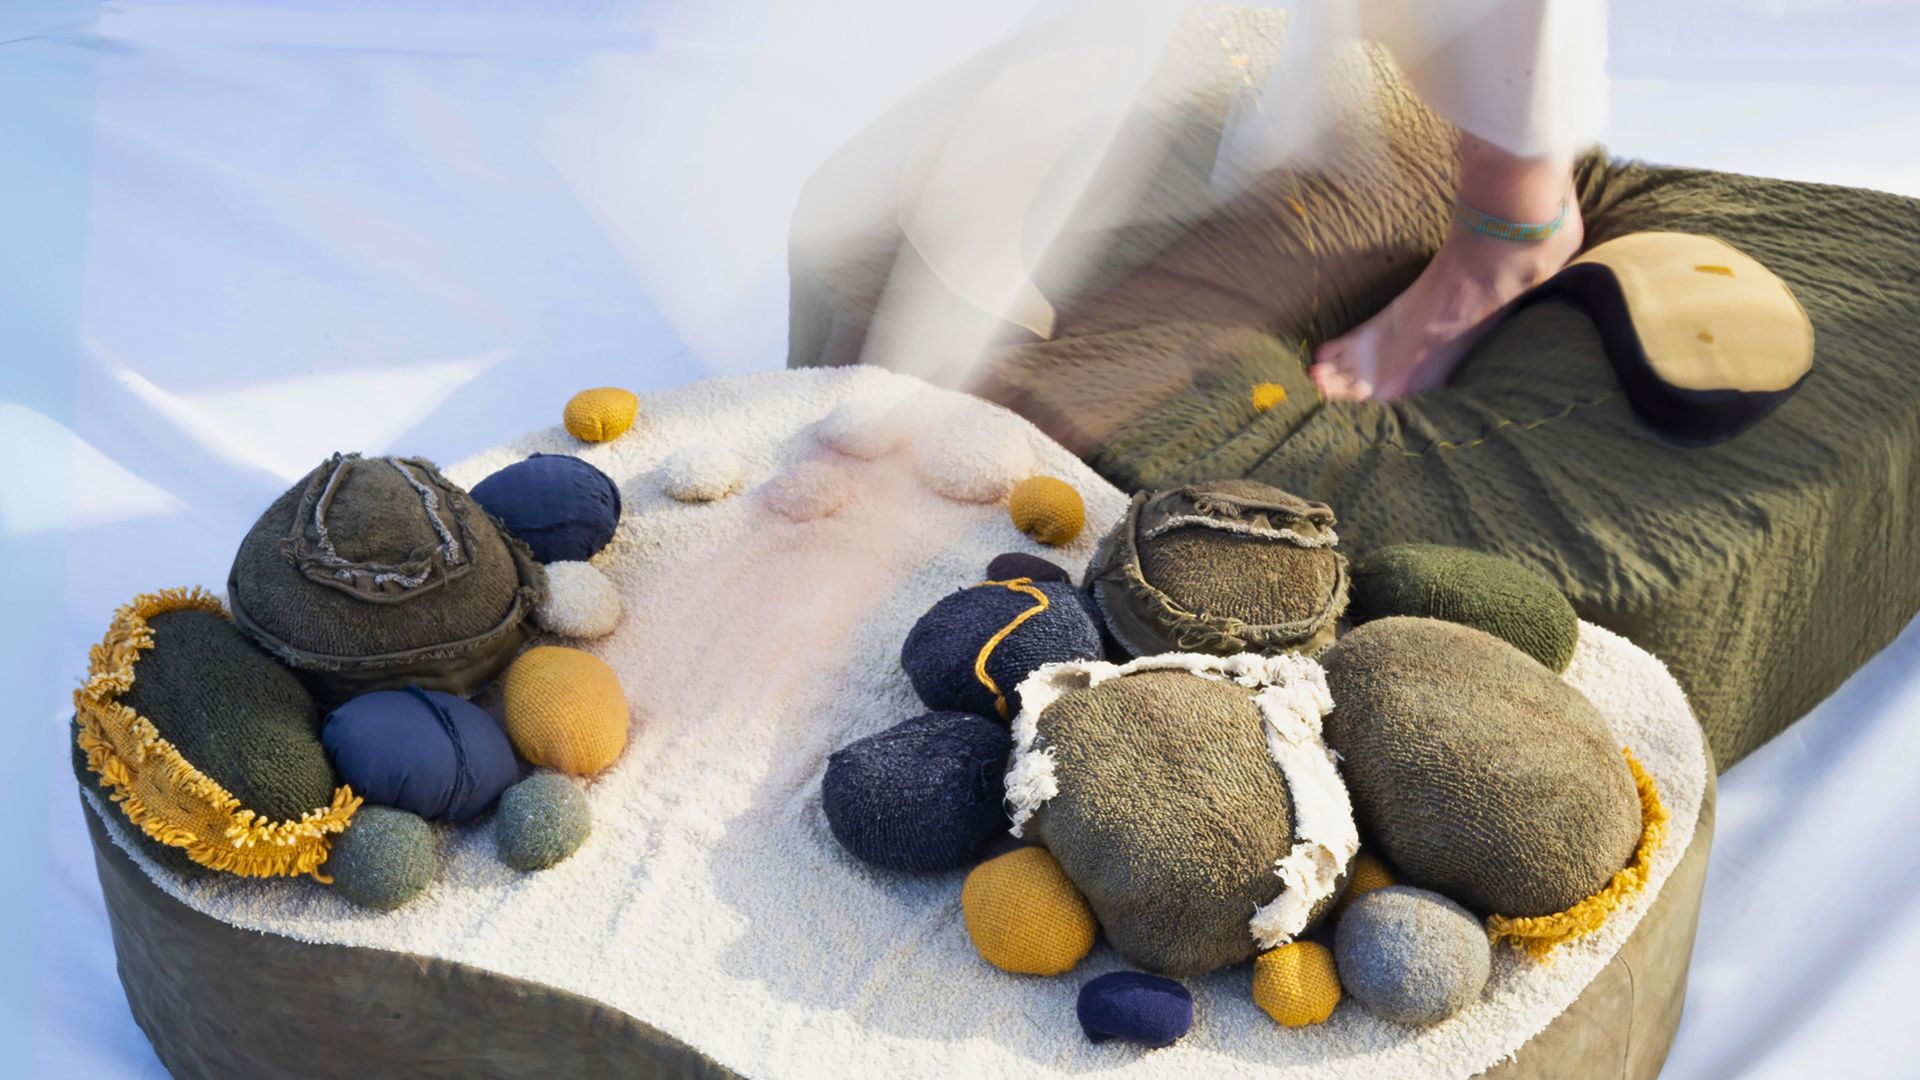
1325,836
1329,538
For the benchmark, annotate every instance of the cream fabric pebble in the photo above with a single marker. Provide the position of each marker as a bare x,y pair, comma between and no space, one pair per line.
704,472
977,459
580,601
866,428
809,490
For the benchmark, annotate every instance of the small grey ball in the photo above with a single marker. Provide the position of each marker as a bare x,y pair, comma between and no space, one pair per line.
1410,955
384,859
541,820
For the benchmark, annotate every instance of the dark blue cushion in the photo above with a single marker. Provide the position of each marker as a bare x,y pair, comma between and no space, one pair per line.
940,649
562,507
1019,564
1135,1007
421,751
924,795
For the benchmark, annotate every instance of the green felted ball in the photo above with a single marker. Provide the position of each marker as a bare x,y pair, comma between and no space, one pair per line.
1473,588
541,820
384,859
1479,773
1410,955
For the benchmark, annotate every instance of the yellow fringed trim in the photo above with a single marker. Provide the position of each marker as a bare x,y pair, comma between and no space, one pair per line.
1019,585
159,790
1540,935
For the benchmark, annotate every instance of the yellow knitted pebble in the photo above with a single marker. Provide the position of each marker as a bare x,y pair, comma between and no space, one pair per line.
1296,984
601,414
565,710
1366,875
1025,916
1047,509
1266,395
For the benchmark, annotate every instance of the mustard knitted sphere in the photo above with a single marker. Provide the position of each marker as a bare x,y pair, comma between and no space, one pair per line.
601,414
565,710
1365,875
1024,916
1297,984
1047,509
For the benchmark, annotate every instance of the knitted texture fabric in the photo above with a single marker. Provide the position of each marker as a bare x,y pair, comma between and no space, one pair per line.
384,860
1134,1007
1024,916
541,820
1019,564
205,743
1367,874
1476,771
1486,592
1297,983
561,506
1221,568
421,751
1170,815
580,601
1411,956
923,795
1047,509
379,573
943,650
600,414
566,710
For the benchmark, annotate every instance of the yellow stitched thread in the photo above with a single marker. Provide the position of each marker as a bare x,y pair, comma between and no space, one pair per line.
1542,934
159,790
1524,425
1019,585
1723,271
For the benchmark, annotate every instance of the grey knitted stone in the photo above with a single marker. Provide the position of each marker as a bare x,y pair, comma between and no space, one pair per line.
384,859
1410,955
541,820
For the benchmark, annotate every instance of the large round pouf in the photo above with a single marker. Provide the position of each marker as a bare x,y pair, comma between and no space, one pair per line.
541,820
384,859
562,507
566,710
1486,592
1034,623
1410,955
421,751
923,795
1135,1007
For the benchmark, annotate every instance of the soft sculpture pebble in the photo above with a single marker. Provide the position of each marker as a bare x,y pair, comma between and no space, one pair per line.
1024,916
1019,564
1226,567
378,573
562,507
384,859
1473,588
809,491
1047,509
600,414
923,795
566,710
974,459
1411,956
1018,626
1297,984
421,751
700,473
1368,873
1135,1007
580,601
1479,773
1156,785
541,820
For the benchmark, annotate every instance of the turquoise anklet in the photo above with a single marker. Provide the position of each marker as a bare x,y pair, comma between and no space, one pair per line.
1501,229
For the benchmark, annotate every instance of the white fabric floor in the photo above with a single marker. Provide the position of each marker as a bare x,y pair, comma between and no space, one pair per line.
419,225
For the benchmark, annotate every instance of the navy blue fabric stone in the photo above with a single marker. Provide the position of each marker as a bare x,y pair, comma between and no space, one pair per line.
924,795
562,507
1019,564
940,649
1135,1007
421,751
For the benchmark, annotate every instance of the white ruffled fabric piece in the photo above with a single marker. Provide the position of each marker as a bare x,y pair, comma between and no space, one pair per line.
1181,521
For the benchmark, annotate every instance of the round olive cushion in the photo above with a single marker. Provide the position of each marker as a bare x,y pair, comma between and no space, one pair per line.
541,820
1411,955
940,650
923,795
384,859
1477,772
1473,588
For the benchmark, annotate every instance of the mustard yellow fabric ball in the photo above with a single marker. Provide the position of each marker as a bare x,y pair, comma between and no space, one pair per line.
1024,916
1267,394
565,710
1296,984
1047,509
601,414
1366,874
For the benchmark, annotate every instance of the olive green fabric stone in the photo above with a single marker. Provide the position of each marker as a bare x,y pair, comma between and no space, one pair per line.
1169,816
1486,592
540,821
1479,773
384,859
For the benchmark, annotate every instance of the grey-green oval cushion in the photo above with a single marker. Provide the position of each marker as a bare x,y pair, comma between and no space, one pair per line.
1486,592
384,859
540,821
1479,773
1169,816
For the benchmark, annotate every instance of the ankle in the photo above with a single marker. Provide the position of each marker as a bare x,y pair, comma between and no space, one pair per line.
1530,190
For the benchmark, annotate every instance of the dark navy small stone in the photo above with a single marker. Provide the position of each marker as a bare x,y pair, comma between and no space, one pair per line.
1135,1007
560,506
1019,564
924,795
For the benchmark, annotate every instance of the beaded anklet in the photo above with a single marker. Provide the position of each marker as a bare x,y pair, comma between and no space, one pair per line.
1500,228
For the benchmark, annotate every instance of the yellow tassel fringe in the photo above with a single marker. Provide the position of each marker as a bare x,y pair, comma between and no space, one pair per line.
1019,585
159,790
1540,935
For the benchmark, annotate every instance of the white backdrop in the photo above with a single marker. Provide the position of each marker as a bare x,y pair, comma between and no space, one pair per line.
418,225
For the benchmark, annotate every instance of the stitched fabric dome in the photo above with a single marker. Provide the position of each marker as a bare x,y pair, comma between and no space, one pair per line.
379,573
1134,1007
562,507
566,709
923,795
1297,984
1479,774
1024,916
1044,622
1486,592
421,751
541,821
